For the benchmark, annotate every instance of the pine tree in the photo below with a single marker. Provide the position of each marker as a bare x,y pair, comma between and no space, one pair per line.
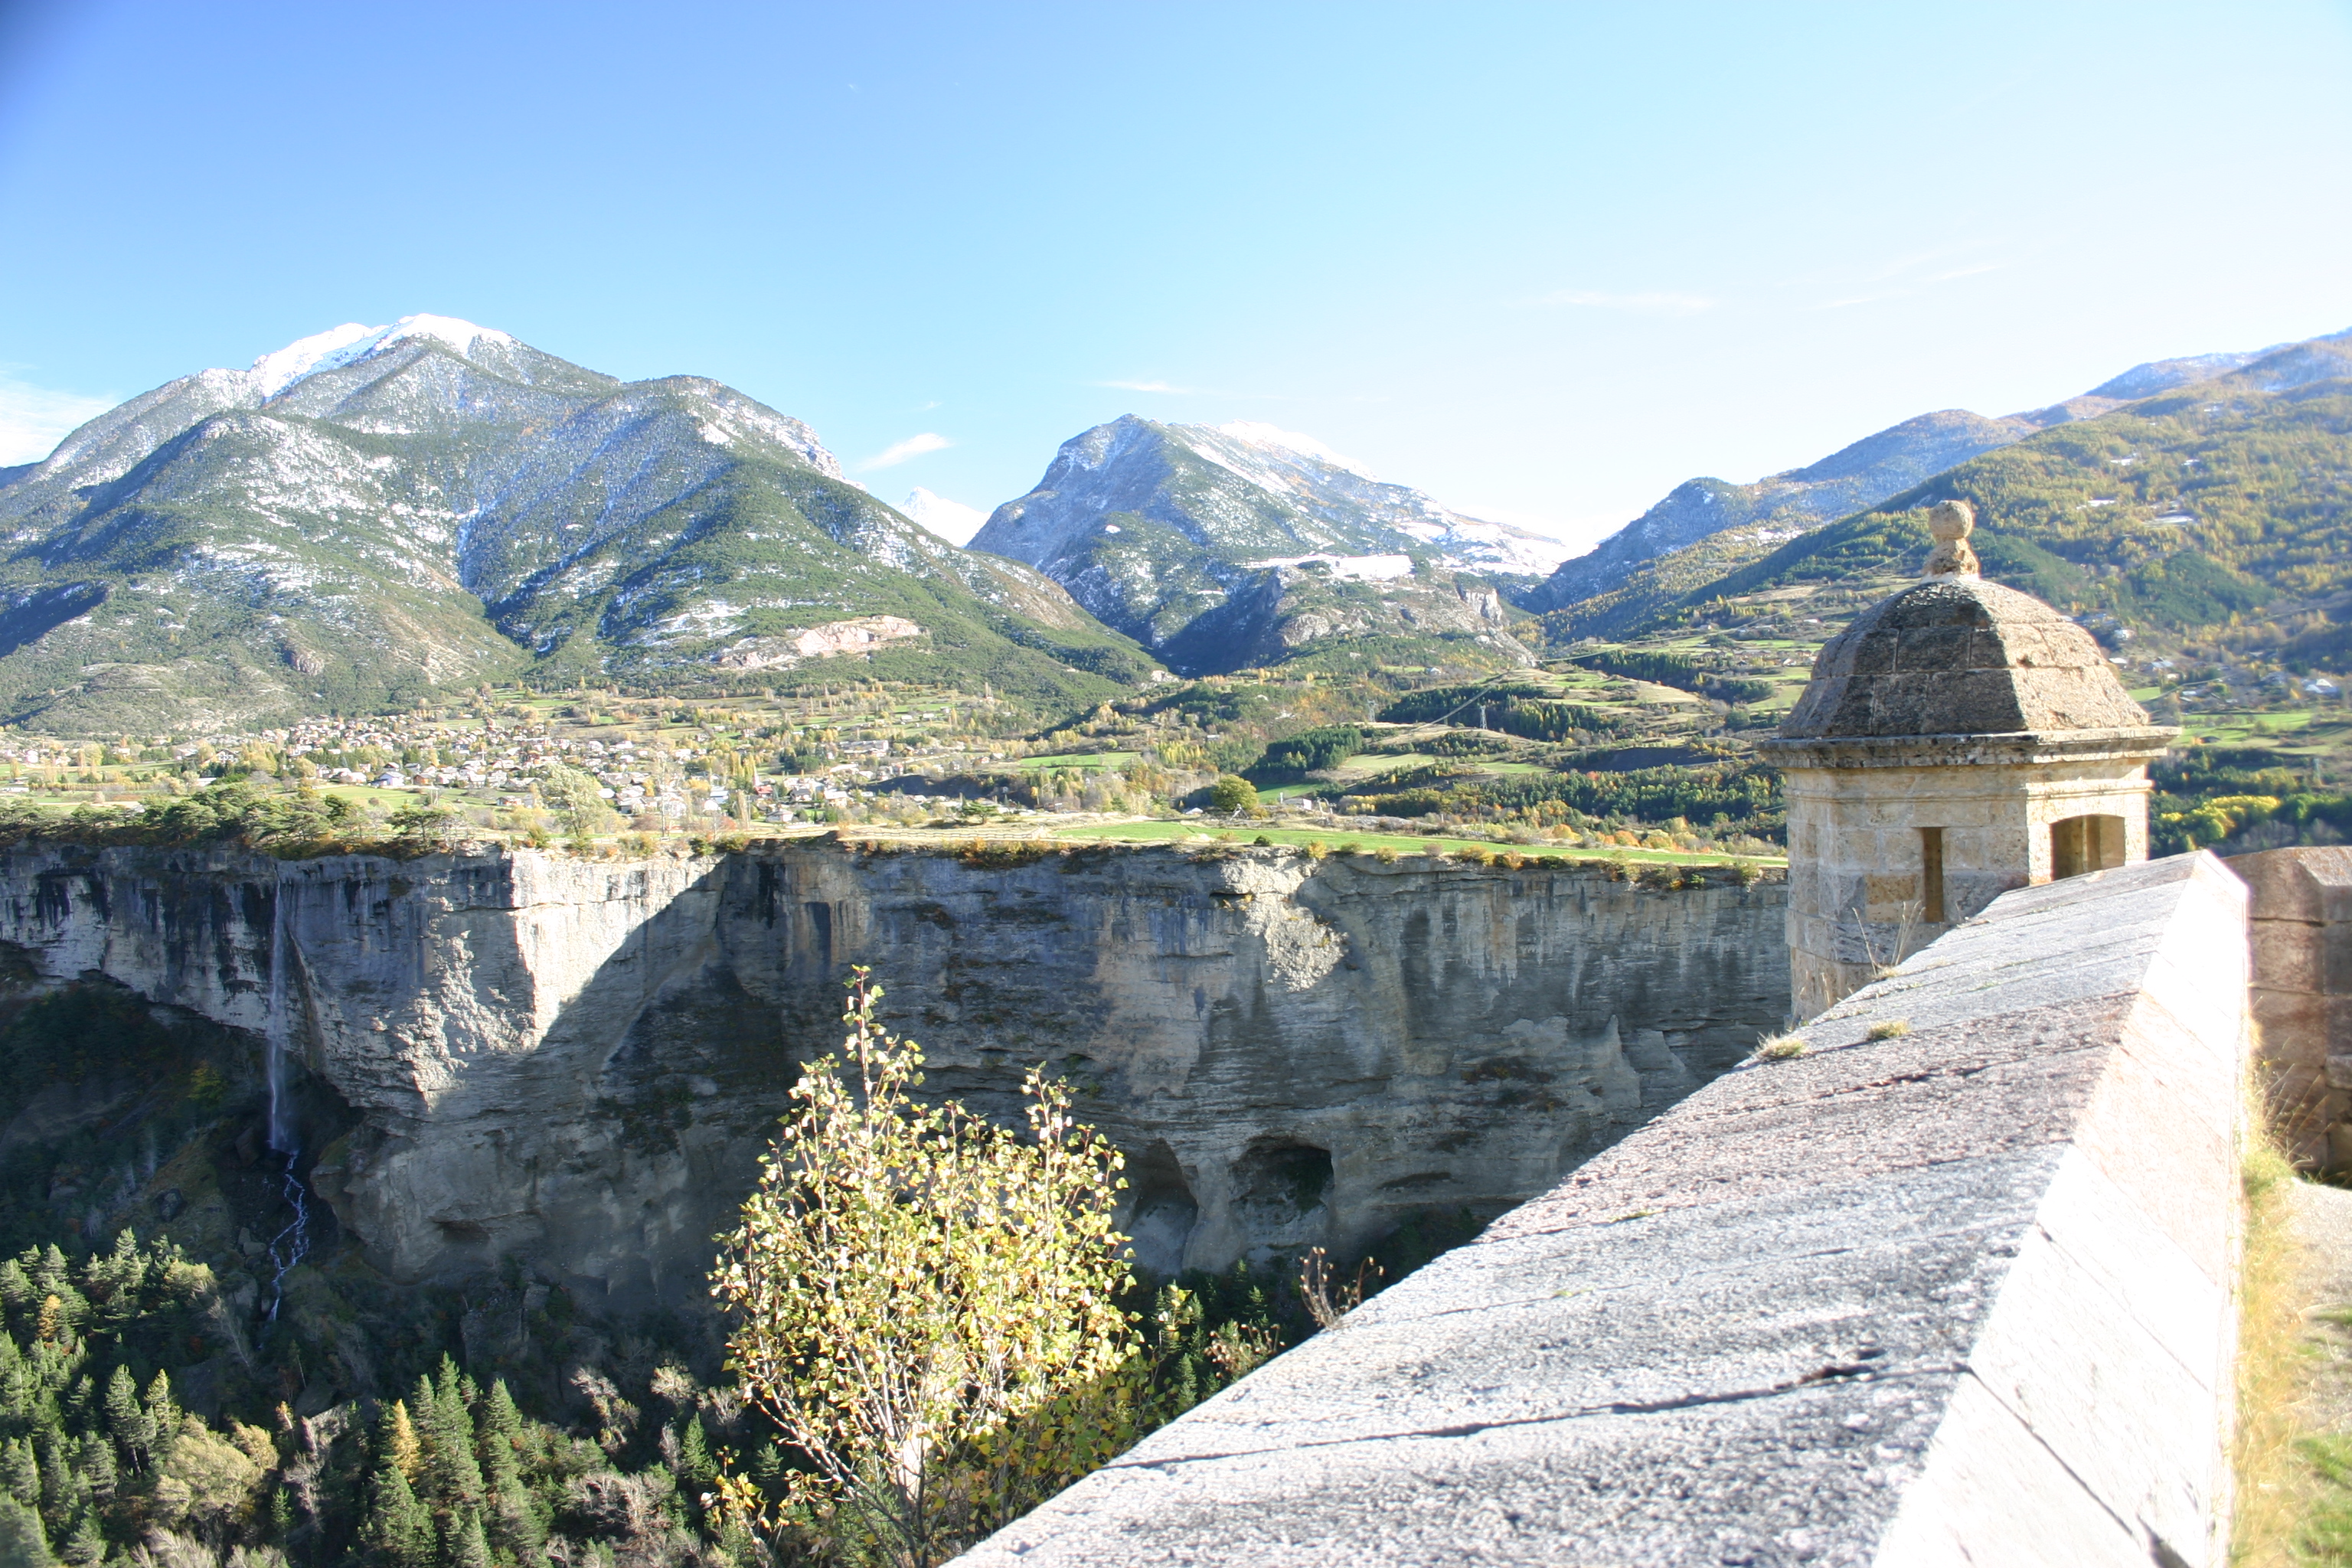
126,1419
18,1472
57,1488
695,1469
23,1543
16,1387
451,1474
164,1412
98,1466
85,1548
399,1528
501,1427
514,1525
468,1546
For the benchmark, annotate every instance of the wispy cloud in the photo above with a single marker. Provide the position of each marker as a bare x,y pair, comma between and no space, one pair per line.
1150,386
1656,304
1901,265
897,452
34,419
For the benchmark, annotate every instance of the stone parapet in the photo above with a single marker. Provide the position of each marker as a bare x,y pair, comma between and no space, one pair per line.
2301,926
1953,1286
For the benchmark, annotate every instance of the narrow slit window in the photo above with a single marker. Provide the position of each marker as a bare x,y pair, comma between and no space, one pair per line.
1931,875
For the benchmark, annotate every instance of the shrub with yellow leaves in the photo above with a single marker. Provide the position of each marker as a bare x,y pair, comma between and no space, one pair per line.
924,1302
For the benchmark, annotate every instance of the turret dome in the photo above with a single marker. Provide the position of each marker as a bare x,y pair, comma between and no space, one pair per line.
1959,656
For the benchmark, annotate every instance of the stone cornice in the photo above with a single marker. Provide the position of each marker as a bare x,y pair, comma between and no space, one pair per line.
2139,743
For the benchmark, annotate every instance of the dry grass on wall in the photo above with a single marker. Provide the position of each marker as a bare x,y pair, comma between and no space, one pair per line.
2271,1480
2293,1464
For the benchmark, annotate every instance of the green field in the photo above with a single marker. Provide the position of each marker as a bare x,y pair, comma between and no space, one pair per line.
1116,761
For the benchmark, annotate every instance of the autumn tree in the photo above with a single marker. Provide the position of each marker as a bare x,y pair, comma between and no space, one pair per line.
924,1302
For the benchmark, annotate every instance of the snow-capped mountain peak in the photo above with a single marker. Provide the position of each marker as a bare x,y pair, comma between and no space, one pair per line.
346,344
951,520
1256,433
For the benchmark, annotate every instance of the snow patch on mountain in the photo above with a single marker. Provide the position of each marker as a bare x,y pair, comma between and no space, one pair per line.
351,342
1364,568
1256,433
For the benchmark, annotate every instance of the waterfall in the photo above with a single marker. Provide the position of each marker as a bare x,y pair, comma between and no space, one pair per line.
292,1242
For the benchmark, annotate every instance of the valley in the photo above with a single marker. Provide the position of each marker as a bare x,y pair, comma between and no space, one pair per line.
444,788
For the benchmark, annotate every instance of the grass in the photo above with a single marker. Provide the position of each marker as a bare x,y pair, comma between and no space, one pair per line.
1782,1048
1892,1029
1116,760
2273,1488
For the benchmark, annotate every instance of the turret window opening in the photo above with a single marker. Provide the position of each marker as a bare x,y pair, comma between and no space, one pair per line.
1931,875
2083,844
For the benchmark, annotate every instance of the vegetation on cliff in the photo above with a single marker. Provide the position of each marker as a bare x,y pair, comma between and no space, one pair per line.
927,1304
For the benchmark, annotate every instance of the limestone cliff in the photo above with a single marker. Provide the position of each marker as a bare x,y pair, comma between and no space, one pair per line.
579,1061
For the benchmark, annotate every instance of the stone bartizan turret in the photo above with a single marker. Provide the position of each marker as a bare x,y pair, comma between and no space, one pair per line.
1959,739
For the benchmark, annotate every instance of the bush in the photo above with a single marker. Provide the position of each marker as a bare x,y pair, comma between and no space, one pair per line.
1233,792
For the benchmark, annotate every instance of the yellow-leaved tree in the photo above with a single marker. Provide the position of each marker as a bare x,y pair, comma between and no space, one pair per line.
925,1303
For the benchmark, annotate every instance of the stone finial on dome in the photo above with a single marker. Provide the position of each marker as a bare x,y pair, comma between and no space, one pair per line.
1951,522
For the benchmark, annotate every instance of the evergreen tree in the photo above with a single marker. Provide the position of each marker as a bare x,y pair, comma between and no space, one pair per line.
452,1475
695,1469
85,1548
164,1412
15,1387
18,1474
98,1466
399,1528
501,1427
467,1547
23,1543
515,1524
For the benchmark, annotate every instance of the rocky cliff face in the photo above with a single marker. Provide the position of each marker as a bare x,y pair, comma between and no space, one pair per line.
579,1062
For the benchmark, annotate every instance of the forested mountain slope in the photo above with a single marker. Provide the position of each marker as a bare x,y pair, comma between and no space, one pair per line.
2180,510
370,513
1731,523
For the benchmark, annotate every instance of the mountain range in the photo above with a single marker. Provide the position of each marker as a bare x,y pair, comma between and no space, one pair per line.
369,514
1853,478
2200,503
1223,547
372,512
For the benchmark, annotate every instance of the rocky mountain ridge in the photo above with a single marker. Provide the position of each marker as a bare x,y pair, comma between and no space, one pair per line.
370,513
1220,547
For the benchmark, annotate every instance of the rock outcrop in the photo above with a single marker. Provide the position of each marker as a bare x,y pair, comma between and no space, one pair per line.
580,1061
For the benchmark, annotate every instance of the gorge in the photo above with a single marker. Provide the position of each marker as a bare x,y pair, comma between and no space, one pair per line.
528,1058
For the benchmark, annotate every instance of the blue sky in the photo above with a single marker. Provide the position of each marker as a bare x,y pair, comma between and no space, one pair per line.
1542,261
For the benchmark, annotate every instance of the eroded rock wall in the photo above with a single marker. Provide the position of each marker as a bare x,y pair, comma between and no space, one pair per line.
581,1060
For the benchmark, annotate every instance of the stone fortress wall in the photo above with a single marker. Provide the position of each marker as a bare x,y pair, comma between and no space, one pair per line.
1956,1285
2301,942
